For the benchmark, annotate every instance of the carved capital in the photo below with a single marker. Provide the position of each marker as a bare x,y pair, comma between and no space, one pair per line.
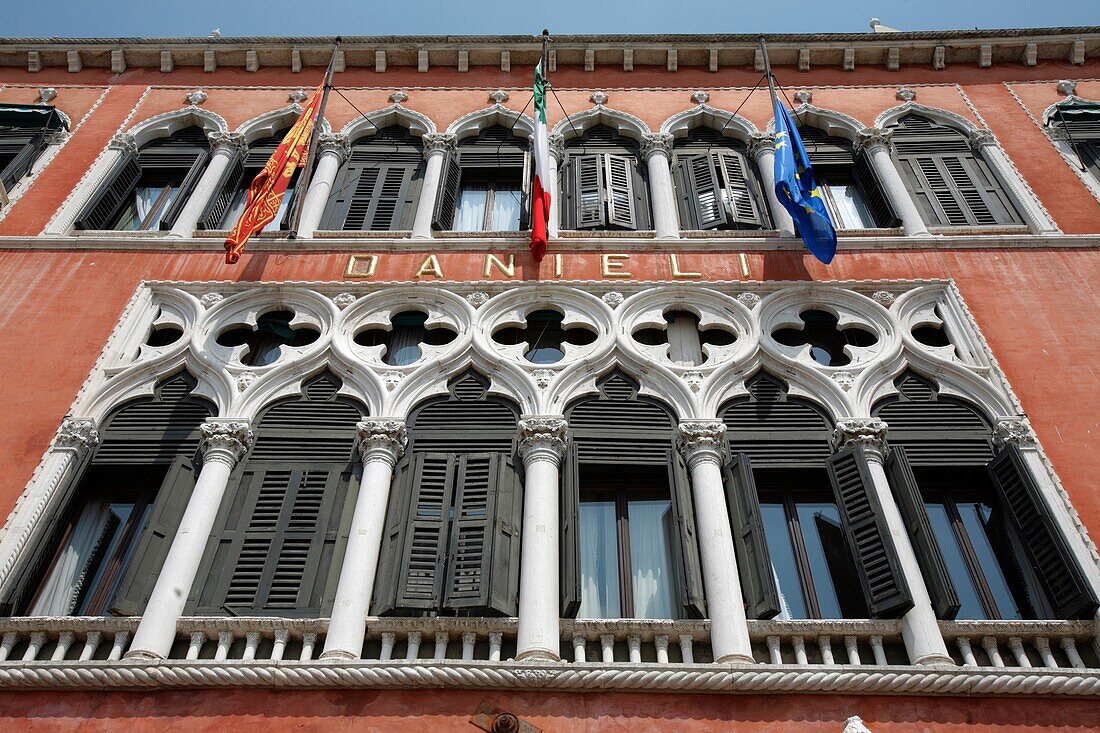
439,142
556,144
1016,431
701,440
123,141
542,437
873,137
385,439
760,143
230,141
659,143
980,138
77,434
224,441
868,433
335,143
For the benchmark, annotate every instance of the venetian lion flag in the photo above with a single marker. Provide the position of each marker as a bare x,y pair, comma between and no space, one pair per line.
265,194
540,207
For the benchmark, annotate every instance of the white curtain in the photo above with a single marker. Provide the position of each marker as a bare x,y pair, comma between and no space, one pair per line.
67,577
599,561
470,211
651,558
506,210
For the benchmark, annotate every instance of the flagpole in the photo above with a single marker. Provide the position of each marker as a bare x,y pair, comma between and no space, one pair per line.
545,40
768,70
307,168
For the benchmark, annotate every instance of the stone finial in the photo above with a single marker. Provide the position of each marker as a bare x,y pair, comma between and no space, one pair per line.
613,299
804,96
861,432
298,96
399,97
225,441
499,96
598,98
477,298
700,97
905,94
46,94
542,437
123,141
380,437
77,434
855,724
981,138
1014,430
1067,87
343,300
196,97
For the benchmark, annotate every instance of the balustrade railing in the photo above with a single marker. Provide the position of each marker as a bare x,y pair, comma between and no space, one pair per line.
1022,644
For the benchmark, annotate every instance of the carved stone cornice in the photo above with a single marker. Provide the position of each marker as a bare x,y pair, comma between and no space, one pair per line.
334,142
659,143
230,141
77,434
381,438
542,437
980,138
701,440
57,137
868,433
123,141
760,143
870,138
225,441
1014,430
439,142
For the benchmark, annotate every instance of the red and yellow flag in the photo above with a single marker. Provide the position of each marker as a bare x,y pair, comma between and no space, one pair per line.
267,189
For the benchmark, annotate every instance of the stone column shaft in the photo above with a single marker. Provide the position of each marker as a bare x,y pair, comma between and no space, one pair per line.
226,147
762,150
877,144
436,148
334,150
657,150
557,158
1037,219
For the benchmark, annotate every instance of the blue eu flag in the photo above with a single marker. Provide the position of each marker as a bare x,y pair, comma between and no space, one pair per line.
797,190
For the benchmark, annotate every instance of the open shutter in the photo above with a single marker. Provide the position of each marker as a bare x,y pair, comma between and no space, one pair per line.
569,532
741,200
156,538
27,148
884,587
937,579
113,195
391,557
685,540
186,187
983,195
931,191
392,205
619,179
873,192
446,200
230,182
754,563
588,191
422,561
700,193
1047,551
354,185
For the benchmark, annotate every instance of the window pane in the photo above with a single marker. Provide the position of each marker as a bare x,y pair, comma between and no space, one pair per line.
404,341
96,596
971,605
792,604
848,206
975,517
506,207
284,204
236,208
599,561
808,517
651,558
470,210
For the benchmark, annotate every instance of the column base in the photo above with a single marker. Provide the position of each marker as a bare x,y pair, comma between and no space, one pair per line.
143,655
339,655
537,655
735,659
934,660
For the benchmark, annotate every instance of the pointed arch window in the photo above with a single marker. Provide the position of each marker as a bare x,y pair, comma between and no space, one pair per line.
378,188
851,189
148,189
1076,123
604,184
484,186
227,205
717,186
24,136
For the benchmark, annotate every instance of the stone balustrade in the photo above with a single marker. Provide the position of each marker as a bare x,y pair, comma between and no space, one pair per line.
1023,644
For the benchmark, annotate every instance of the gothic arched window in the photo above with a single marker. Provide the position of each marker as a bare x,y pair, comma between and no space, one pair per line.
484,185
604,183
717,186
379,186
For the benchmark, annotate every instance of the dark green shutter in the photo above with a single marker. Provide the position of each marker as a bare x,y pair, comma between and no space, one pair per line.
231,181
588,187
907,493
446,199
1046,548
112,195
884,587
420,580
743,206
373,197
156,539
26,145
956,189
754,562
620,181
873,192
700,193
391,558
569,532
685,540
186,187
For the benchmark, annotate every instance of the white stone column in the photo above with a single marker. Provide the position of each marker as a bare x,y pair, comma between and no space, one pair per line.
657,152
701,444
333,150
1038,220
121,144
762,151
876,142
542,445
381,444
78,437
225,146
556,143
436,147
224,441
920,631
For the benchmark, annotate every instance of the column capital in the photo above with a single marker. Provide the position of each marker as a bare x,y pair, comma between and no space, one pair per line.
77,434
439,142
542,437
382,438
334,142
701,440
556,145
658,143
225,440
760,143
870,138
981,138
868,433
1014,430
123,141
230,142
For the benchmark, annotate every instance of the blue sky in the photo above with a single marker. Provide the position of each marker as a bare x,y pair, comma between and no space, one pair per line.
113,18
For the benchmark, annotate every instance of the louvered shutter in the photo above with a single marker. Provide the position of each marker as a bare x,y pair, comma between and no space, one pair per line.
937,579
24,146
355,183
588,191
984,197
884,586
742,204
873,192
391,556
156,539
483,561
1046,548
186,187
446,200
685,540
112,196
700,196
420,581
231,181
957,189
1089,153
619,180
754,562
569,533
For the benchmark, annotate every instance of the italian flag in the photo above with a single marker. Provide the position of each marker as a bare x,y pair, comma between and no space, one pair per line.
540,207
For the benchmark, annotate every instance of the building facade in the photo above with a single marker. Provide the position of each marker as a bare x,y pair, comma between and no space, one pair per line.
392,473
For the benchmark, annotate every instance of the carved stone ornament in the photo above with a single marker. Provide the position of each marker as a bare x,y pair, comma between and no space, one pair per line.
598,98
855,724
1067,87
386,435
871,137
196,97
535,677
556,143
701,440
543,377
657,144
614,298
477,298
883,298
700,97
47,94
861,432
225,440
233,141
329,142
805,96
760,142
125,142
542,436
211,299
844,380
981,138
298,96
1016,431
391,379
749,300
905,94
343,300
499,96
694,380
76,434
398,97
439,142
56,137
244,379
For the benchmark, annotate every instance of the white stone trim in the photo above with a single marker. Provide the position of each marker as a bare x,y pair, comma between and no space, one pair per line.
703,115
623,123
472,123
417,123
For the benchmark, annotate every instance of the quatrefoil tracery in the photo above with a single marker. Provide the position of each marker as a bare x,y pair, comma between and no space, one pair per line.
830,344
687,342
402,343
265,342
545,335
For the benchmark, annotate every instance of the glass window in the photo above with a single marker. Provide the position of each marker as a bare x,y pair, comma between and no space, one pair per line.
148,205
651,557
846,204
236,207
599,560
488,205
